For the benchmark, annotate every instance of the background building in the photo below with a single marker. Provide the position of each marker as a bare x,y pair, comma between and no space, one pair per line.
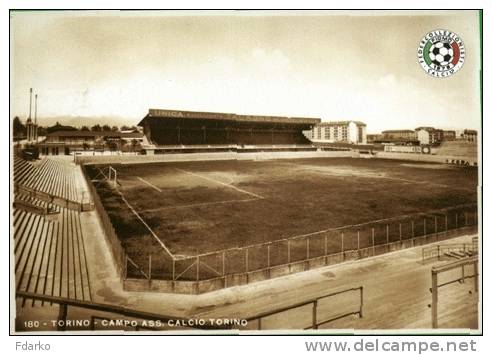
429,135
449,135
399,133
353,132
67,142
469,135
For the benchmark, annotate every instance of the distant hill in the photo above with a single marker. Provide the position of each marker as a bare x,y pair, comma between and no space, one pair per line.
79,121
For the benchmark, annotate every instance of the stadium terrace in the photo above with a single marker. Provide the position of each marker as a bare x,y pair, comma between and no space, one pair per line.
171,127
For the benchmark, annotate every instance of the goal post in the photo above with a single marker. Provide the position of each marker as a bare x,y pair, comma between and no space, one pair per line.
112,175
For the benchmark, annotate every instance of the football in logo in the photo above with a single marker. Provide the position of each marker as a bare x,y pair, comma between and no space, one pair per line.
441,53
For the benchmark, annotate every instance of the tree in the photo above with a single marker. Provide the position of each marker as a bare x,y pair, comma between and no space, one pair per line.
112,145
106,128
84,128
129,128
18,128
115,128
135,144
41,131
96,128
59,127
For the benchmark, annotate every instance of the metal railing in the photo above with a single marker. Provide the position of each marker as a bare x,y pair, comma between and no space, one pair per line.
436,270
316,322
440,250
100,311
64,304
324,247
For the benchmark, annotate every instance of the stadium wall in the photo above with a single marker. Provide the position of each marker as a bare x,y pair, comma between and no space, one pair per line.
238,279
163,158
239,266
117,250
443,159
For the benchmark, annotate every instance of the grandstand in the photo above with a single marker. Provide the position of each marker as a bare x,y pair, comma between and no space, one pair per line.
50,255
49,246
52,180
184,128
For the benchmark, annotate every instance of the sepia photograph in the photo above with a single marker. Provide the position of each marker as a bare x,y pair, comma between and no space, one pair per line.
245,172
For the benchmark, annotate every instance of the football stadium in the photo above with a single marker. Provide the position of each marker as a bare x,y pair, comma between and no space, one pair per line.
242,219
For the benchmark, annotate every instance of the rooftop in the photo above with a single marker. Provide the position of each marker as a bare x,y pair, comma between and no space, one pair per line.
158,113
398,131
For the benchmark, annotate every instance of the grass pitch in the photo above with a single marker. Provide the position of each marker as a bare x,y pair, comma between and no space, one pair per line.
198,207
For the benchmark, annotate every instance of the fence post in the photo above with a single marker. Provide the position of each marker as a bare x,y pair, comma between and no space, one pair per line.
435,228
150,267
361,301
307,248
446,221
268,260
288,252
425,229
343,248
466,219
373,245
126,267
399,226
475,270
315,311
246,255
62,316
358,239
456,219
174,269
387,237
326,245
223,263
198,268
434,299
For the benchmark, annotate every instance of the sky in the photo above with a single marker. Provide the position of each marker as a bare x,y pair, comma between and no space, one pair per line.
331,65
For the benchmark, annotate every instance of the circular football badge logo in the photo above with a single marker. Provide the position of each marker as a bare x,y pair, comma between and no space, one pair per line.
441,53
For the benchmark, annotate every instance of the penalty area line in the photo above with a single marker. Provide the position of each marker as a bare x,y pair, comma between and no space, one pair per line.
220,183
146,225
198,205
149,184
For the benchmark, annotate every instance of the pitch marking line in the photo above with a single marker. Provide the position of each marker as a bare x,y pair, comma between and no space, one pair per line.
145,224
148,183
197,205
221,183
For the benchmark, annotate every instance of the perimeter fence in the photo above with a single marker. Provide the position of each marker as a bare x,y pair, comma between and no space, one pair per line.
326,247
257,262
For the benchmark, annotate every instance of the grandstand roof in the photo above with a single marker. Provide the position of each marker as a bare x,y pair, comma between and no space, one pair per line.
428,129
158,113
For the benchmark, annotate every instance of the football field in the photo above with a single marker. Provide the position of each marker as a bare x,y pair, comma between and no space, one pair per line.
199,207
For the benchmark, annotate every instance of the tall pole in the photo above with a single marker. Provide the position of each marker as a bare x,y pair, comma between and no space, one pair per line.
30,101
36,109
36,117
